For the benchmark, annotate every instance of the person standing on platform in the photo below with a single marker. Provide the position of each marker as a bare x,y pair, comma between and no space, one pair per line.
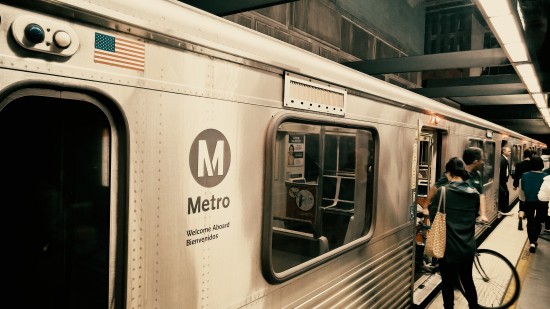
474,159
535,210
461,206
503,193
521,168
544,195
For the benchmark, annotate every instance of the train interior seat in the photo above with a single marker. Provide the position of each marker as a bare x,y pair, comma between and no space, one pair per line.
291,248
337,209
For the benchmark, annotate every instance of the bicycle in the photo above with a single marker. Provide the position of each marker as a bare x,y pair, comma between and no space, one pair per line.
496,279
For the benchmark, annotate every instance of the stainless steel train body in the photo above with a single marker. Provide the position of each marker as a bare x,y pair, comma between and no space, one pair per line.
155,156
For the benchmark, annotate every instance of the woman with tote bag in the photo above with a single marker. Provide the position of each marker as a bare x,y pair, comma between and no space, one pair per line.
460,204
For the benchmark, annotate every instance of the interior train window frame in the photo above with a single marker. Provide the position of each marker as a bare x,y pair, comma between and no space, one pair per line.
298,129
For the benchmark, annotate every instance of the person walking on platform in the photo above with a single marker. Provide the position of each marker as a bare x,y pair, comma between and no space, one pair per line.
544,195
503,193
521,168
535,210
461,206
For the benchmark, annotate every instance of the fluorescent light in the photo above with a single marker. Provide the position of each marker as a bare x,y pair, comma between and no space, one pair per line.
506,28
517,52
520,13
539,100
527,73
495,8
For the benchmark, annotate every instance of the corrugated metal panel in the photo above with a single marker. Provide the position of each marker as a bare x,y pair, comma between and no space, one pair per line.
382,282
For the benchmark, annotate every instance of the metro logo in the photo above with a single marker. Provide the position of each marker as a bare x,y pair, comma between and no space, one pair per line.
204,157
209,158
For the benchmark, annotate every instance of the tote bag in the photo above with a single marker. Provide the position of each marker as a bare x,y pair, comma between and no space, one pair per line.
435,244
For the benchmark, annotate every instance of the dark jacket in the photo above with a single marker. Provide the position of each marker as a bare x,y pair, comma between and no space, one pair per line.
530,185
521,168
462,202
504,172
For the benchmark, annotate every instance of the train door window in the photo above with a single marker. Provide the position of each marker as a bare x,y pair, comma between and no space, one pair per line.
321,195
488,148
424,164
490,158
516,157
476,143
54,191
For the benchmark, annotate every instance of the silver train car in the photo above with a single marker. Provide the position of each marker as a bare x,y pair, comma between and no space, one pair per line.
156,156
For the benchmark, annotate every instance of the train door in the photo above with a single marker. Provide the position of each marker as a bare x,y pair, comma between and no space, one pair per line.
424,164
55,185
516,157
489,174
429,167
429,162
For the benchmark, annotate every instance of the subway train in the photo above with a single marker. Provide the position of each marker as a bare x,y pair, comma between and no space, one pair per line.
157,156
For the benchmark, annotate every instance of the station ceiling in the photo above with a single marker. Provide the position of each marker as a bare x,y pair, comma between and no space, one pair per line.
499,97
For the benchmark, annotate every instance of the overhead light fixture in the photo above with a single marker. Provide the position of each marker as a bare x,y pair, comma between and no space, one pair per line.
540,100
521,18
507,27
527,73
495,8
517,52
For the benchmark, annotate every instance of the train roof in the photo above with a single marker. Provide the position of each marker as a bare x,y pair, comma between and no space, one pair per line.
174,23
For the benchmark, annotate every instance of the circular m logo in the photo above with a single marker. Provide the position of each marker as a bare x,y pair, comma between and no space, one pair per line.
209,158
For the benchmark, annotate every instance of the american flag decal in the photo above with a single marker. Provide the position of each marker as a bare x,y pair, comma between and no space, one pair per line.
119,52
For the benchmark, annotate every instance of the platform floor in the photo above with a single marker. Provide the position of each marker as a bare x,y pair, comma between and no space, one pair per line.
533,268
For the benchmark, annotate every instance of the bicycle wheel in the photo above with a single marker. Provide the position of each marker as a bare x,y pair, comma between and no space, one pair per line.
496,280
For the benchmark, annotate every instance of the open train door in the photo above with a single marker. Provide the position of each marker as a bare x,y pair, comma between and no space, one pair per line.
429,163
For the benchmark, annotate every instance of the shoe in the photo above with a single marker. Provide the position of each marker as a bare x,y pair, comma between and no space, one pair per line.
532,248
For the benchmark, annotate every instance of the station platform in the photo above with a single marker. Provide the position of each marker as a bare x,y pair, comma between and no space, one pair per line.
533,268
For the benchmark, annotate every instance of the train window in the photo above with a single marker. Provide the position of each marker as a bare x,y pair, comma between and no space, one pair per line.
321,195
488,148
54,189
517,156
490,158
